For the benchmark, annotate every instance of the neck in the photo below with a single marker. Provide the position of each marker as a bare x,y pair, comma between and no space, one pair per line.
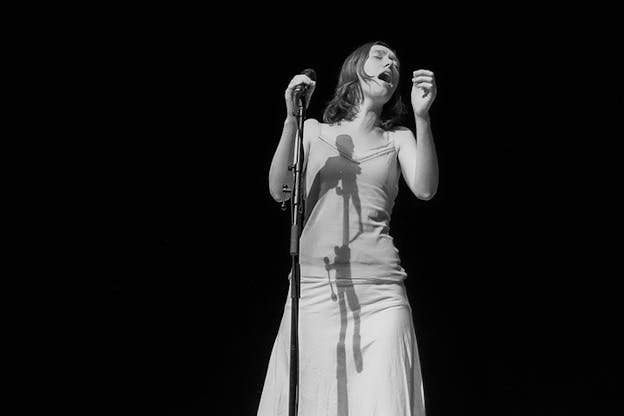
368,116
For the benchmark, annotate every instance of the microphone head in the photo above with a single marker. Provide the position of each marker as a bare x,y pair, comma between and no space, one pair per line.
310,73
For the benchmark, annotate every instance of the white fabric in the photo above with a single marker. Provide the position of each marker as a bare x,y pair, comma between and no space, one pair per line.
350,194
358,353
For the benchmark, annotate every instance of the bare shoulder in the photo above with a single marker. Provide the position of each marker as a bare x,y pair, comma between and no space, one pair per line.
311,123
311,128
402,135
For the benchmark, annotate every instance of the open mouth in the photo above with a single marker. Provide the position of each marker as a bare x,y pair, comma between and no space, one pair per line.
385,77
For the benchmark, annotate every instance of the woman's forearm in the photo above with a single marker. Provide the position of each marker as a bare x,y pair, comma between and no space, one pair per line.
279,174
426,159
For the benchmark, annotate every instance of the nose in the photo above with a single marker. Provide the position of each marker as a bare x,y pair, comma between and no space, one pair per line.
389,63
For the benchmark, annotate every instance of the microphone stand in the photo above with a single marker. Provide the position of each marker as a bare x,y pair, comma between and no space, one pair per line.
297,210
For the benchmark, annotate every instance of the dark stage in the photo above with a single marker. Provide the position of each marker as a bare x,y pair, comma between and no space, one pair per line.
161,281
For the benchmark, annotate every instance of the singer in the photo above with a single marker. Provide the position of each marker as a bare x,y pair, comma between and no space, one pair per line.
357,342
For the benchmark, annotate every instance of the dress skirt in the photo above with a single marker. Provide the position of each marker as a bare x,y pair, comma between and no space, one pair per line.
358,354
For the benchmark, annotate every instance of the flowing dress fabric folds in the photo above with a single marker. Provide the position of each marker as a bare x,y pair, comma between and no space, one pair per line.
358,354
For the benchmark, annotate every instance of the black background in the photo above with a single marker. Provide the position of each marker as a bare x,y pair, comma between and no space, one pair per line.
159,282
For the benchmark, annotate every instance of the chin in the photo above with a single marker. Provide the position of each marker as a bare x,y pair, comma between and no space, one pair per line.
381,94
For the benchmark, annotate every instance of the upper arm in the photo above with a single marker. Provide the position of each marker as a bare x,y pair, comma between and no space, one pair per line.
406,151
311,129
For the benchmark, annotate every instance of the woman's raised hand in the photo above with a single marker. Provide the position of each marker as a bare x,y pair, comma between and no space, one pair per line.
424,91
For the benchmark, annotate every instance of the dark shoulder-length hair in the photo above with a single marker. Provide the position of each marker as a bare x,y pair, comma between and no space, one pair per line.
348,95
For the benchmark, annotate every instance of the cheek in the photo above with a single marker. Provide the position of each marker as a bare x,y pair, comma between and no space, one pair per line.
368,68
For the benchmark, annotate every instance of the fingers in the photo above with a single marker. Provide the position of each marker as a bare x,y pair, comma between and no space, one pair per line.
301,79
298,80
425,80
425,85
422,72
423,76
289,94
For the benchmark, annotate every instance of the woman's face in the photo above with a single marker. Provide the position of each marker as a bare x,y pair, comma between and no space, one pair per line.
383,66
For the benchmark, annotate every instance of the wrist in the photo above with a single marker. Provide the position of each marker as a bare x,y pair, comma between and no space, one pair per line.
422,118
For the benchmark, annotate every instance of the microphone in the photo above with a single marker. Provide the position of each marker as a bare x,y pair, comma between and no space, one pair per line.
301,89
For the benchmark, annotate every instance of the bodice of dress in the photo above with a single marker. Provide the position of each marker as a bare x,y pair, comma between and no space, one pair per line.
348,207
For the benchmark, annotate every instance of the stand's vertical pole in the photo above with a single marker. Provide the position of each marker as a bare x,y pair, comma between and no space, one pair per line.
295,231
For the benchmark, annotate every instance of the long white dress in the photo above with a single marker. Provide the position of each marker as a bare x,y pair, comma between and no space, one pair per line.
358,354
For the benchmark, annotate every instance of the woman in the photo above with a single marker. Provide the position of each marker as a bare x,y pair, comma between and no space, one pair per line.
358,351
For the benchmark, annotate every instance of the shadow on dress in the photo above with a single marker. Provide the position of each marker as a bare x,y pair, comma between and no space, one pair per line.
340,173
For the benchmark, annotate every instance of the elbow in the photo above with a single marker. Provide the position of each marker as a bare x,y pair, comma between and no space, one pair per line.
425,196
275,188
424,188
279,198
279,195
